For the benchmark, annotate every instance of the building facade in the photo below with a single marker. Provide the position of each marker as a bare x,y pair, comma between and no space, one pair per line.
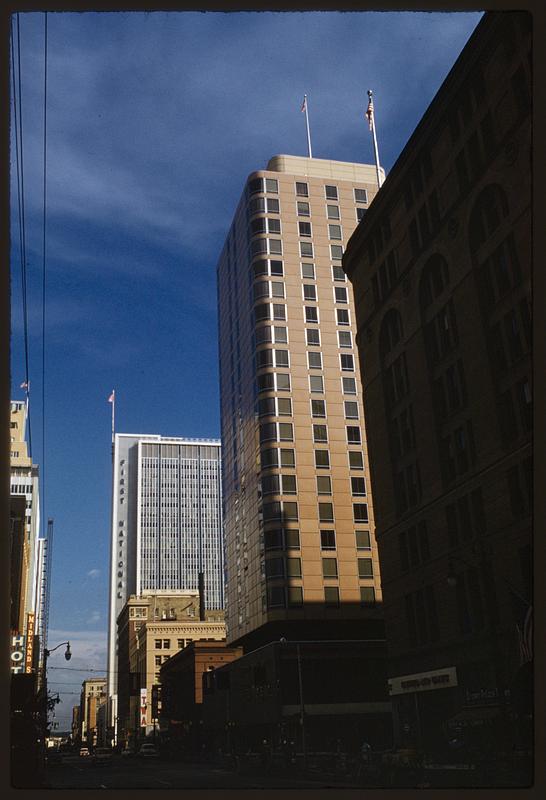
24,482
441,275
152,628
324,697
182,690
166,524
93,695
298,511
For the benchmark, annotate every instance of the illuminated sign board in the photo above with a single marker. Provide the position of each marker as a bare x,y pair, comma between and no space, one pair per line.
17,657
30,642
423,681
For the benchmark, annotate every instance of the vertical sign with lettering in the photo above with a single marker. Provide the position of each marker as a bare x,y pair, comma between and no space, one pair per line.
143,695
30,642
17,657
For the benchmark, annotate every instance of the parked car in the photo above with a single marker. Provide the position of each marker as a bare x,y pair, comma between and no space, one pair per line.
148,751
84,751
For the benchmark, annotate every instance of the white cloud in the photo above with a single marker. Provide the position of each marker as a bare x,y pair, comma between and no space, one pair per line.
93,573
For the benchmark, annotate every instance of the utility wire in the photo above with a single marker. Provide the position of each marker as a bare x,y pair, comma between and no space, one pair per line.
43,465
18,119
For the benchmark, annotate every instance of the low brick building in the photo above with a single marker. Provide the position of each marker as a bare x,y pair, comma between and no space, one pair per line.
333,693
182,686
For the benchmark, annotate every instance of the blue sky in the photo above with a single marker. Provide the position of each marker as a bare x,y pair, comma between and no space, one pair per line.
154,121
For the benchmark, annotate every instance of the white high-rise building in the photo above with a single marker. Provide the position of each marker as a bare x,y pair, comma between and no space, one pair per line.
166,524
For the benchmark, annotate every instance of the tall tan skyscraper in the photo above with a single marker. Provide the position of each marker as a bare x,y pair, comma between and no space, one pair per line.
299,532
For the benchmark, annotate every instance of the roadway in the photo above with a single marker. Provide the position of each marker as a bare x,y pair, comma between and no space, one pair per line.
132,772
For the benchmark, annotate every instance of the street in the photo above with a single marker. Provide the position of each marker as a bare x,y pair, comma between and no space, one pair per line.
139,773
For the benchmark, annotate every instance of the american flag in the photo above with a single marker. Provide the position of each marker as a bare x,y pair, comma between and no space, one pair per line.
525,636
304,104
523,612
112,396
369,113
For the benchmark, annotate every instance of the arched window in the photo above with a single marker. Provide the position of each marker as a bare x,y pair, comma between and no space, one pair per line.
490,208
434,280
390,333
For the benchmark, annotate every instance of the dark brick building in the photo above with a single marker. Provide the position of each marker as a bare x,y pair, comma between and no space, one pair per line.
321,694
440,267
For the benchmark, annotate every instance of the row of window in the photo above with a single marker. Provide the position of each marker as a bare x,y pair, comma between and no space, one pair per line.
273,457
265,185
275,267
279,335
282,407
281,359
166,644
271,225
280,596
274,247
284,432
277,311
286,484
290,566
309,291
288,511
289,539
280,382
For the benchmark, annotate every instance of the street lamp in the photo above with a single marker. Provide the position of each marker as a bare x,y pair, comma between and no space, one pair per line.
47,653
302,707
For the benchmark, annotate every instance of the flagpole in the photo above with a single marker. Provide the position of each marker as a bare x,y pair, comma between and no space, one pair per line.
307,124
113,395
371,120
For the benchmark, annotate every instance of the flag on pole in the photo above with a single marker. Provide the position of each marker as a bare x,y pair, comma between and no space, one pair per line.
112,396
523,613
525,636
304,104
369,111
24,385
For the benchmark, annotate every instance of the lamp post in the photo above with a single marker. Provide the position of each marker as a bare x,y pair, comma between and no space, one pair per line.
47,653
302,706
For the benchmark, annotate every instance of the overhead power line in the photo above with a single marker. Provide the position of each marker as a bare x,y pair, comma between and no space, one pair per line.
18,128
44,228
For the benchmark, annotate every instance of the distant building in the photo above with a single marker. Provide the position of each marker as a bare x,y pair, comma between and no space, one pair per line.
24,484
299,521
166,525
441,275
75,735
93,695
181,689
151,629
